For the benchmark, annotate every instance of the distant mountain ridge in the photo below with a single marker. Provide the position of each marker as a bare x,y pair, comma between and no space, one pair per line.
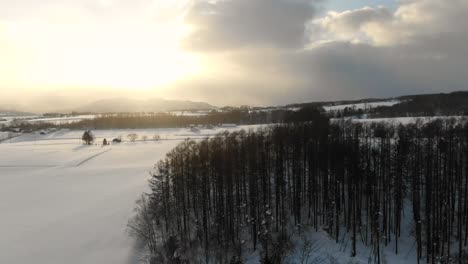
452,103
456,97
8,112
116,105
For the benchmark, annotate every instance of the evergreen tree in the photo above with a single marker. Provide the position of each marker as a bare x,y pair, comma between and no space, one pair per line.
88,137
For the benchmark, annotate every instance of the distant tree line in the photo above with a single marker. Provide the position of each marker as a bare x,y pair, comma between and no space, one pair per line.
451,104
163,120
249,190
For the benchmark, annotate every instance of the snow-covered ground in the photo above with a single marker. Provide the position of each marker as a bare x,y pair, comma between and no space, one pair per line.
62,120
8,135
189,113
360,105
402,120
325,249
62,202
4,135
7,120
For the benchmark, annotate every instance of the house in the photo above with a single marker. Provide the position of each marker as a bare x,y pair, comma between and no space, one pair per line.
195,129
228,125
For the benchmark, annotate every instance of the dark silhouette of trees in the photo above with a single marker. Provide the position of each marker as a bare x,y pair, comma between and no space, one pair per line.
88,137
165,120
451,104
248,190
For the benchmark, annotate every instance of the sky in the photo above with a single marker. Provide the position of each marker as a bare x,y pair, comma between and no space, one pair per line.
60,54
340,5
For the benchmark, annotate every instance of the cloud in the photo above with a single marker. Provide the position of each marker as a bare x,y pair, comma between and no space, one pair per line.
266,52
226,24
354,25
367,52
412,21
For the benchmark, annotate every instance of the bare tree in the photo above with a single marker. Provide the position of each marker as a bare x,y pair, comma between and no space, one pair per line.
156,137
132,137
142,227
307,249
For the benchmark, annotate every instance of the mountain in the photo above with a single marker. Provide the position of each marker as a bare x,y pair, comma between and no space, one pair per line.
10,112
151,105
450,104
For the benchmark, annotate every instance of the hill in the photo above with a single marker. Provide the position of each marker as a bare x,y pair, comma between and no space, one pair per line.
116,105
448,104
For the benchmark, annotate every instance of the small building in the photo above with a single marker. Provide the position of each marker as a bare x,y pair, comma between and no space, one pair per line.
195,129
228,125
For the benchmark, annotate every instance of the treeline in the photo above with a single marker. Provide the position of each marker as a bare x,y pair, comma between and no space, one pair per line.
222,197
451,104
163,120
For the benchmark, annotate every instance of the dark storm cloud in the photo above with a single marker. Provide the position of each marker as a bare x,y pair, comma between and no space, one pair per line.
368,52
226,25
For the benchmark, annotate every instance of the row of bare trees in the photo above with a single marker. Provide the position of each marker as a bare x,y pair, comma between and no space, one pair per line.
251,190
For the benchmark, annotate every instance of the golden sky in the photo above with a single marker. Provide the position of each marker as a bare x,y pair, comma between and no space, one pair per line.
56,54
95,46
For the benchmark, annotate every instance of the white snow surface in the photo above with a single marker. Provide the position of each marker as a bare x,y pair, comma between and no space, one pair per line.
4,135
402,120
360,105
8,120
63,202
189,113
62,120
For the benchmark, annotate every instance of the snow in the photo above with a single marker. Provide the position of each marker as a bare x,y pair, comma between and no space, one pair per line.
189,113
6,119
402,120
8,135
62,120
40,119
4,135
63,202
360,105
326,247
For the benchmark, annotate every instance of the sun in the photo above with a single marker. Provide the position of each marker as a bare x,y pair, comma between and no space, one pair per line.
119,56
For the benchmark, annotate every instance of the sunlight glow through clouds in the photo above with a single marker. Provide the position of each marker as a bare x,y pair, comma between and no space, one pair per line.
128,53
230,52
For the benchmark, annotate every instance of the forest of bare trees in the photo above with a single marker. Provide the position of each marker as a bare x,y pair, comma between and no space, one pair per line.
239,192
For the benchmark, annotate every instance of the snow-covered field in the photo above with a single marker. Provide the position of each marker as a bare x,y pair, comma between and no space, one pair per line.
360,106
189,113
63,202
62,120
7,120
4,135
403,120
